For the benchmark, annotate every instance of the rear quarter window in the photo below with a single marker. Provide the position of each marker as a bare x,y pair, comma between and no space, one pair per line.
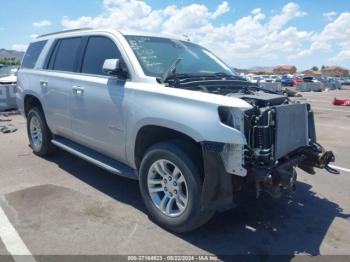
33,52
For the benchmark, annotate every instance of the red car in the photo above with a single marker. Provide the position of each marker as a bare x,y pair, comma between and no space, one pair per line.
297,81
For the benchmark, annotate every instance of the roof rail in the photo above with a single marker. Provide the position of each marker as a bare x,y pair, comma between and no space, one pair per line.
66,31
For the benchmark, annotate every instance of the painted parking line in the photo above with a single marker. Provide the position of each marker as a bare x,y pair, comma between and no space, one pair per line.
325,100
12,241
330,109
332,126
340,168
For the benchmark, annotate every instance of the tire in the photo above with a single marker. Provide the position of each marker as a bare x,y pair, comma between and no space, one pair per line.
171,154
39,133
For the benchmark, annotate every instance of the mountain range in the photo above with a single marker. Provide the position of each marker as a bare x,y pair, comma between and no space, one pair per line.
4,53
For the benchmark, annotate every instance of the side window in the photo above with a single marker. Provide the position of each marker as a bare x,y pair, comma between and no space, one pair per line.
97,51
51,59
32,54
65,54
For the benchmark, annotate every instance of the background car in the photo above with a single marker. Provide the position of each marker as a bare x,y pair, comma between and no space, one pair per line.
266,79
334,83
275,78
254,79
310,79
8,82
344,80
297,81
8,70
287,81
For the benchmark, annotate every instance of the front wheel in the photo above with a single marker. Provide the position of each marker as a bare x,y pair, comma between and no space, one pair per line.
171,188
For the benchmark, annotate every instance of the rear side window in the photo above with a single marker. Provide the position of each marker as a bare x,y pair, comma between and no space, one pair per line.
32,54
97,51
64,57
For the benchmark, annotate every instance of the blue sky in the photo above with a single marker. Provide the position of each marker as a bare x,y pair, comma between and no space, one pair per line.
244,33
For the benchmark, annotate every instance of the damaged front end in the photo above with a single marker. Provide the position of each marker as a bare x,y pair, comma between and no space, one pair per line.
280,137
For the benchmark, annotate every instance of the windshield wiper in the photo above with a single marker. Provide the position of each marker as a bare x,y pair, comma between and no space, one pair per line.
258,88
222,74
170,72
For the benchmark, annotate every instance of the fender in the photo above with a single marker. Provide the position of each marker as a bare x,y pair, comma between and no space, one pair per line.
192,113
26,93
200,130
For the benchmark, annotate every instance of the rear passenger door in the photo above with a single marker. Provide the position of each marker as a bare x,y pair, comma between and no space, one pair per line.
97,101
57,83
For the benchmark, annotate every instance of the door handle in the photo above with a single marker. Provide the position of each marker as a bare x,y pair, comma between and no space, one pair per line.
78,90
44,83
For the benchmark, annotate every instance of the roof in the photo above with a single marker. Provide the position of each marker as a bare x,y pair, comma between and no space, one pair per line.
65,32
91,30
74,33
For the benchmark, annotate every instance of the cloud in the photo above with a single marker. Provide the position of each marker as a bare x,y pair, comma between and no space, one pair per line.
19,47
289,12
339,29
192,20
125,15
256,38
137,16
330,15
223,8
336,34
43,23
341,56
332,40
33,36
253,39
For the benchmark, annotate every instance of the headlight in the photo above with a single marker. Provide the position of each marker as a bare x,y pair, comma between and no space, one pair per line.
230,116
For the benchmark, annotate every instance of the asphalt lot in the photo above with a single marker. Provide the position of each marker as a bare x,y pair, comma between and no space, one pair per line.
63,205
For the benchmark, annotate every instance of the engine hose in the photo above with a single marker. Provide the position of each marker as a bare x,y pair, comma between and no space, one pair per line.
331,170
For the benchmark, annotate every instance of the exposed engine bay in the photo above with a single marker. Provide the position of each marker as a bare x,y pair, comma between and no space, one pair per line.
280,133
280,137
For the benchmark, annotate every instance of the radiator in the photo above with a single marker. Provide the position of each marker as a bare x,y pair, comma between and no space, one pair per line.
291,129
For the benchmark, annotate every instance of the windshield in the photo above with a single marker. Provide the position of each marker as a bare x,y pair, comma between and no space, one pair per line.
156,55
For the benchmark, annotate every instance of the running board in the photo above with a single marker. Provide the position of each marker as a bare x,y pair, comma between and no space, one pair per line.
102,161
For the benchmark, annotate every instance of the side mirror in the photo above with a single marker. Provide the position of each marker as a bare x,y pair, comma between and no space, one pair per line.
114,67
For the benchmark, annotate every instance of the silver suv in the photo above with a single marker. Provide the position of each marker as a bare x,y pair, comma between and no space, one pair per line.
168,113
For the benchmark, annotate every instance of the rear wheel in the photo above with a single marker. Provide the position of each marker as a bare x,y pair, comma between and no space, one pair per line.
171,188
38,133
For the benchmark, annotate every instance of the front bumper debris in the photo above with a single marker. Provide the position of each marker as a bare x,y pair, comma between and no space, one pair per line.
217,192
277,179
317,156
282,177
